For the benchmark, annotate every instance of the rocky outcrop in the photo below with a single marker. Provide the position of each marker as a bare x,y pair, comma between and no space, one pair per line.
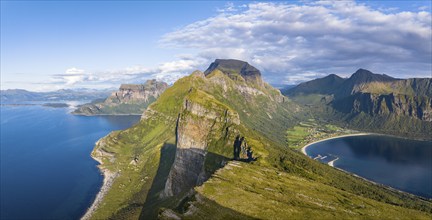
131,93
198,126
235,69
129,99
419,107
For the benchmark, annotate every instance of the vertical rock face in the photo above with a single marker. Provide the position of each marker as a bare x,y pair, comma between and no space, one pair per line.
419,107
197,126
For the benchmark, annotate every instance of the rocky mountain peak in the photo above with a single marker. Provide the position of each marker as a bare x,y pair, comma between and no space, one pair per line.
232,68
364,76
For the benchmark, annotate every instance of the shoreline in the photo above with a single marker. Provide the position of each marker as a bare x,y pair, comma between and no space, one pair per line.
331,163
108,179
303,149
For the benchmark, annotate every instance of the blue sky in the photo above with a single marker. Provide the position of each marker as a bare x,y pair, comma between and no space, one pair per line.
48,45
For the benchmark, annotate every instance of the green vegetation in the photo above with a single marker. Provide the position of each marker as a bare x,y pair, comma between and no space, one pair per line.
370,102
268,193
281,184
311,131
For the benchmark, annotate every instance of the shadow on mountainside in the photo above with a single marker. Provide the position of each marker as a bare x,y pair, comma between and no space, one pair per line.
167,155
153,200
196,167
203,206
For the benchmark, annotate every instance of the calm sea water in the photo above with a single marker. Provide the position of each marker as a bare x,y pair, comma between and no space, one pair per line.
400,163
46,168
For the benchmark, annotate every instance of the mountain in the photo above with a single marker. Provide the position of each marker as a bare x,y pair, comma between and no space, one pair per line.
212,146
373,102
129,99
16,96
359,80
237,70
339,87
326,85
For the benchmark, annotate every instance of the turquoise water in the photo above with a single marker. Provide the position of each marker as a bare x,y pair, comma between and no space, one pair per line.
46,168
400,163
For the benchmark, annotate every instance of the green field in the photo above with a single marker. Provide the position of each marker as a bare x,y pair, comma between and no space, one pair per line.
310,131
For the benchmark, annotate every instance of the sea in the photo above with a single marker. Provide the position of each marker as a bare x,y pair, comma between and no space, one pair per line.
400,163
46,168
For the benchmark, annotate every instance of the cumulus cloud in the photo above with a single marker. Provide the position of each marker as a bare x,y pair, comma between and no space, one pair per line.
288,41
168,72
72,76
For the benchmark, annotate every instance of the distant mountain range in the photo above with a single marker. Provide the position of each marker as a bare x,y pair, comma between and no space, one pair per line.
371,101
363,81
129,99
16,96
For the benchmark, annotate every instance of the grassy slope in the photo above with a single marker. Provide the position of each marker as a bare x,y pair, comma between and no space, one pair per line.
267,193
264,123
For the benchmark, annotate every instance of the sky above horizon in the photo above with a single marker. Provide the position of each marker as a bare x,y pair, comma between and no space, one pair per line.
50,45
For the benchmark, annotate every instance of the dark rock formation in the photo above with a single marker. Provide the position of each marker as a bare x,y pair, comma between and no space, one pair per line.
419,107
235,67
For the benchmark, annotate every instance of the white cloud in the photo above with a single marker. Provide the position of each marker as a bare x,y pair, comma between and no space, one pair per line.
74,71
168,72
229,7
287,40
72,76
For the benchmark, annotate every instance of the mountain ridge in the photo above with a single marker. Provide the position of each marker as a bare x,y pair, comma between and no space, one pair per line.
366,98
183,151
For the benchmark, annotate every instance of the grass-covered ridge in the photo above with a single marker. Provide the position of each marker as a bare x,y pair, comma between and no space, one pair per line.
281,183
268,193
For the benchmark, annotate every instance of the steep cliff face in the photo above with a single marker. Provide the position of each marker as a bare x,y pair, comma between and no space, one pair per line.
129,99
200,117
419,107
198,125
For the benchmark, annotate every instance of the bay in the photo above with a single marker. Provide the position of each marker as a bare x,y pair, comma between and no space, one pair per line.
46,168
400,163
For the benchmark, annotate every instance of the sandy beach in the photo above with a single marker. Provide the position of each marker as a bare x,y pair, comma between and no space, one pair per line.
331,163
109,178
303,150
